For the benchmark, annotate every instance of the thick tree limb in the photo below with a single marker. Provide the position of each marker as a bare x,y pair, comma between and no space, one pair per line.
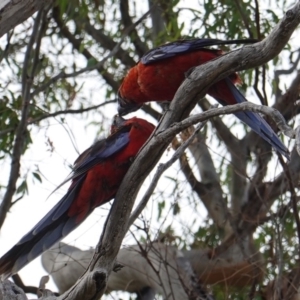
10,291
146,266
13,13
160,267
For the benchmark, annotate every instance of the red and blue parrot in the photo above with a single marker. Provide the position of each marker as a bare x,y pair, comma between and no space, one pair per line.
161,71
96,177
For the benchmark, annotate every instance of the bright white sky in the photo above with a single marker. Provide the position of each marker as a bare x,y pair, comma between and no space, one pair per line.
54,166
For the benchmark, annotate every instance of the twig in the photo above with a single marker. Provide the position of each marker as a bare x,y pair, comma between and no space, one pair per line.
26,288
76,43
141,48
107,42
297,137
160,170
229,109
293,199
255,86
278,73
245,18
257,19
97,66
6,50
230,141
58,113
20,137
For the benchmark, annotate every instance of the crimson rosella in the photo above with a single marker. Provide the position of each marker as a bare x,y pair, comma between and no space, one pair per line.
161,71
96,177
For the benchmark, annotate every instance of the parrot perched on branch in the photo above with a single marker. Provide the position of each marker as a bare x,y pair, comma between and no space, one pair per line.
161,71
96,177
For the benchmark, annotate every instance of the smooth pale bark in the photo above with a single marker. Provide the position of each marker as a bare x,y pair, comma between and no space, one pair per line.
13,13
157,266
9,291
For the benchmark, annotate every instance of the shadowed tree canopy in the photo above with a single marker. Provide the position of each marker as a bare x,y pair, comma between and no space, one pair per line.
218,216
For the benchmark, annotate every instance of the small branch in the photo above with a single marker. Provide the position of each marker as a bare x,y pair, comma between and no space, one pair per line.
272,190
29,52
257,20
27,289
278,73
160,170
106,42
245,18
6,50
20,137
58,113
293,200
224,133
262,99
76,43
140,47
229,109
286,104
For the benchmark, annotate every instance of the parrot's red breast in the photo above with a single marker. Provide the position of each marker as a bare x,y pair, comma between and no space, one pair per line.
159,81
162,70
96,177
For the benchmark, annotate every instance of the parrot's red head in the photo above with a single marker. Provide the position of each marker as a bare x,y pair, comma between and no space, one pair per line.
119,123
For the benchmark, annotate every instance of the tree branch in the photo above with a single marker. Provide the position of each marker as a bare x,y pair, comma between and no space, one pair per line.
107,43
160,170
57,113
109,78
140,47
13,13
20,137
238,150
